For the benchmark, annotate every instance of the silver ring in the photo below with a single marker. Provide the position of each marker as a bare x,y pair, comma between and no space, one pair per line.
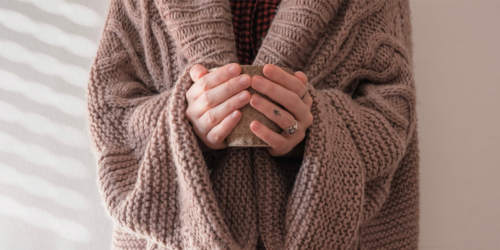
307,91
291,130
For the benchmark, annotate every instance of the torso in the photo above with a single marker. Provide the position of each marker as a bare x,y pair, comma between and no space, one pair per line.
251,20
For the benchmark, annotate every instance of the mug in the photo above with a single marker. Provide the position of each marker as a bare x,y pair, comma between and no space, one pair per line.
242,135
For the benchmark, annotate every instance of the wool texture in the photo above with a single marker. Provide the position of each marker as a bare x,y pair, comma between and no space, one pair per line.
357,185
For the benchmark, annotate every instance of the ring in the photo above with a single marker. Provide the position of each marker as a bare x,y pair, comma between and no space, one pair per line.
307,91
291,130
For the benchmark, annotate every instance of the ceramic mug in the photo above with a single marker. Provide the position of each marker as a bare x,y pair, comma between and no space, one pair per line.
241,135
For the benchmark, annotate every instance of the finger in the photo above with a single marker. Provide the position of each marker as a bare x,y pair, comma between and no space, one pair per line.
217,135
213,97
288,99
197,71
302,77
213,79
281,77
292,141
277,141
276,114
213,116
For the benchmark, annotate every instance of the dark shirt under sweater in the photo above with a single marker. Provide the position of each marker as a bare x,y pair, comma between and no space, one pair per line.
251,20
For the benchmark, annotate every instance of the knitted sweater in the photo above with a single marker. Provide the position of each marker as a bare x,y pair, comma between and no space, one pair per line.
356,186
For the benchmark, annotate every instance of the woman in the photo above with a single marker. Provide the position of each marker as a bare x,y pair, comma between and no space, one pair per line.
355,185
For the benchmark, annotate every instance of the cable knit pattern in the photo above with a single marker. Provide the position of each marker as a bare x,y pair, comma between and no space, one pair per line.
357,186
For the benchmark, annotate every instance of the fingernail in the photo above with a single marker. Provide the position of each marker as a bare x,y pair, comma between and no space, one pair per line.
243,97
244,80
235,113
269,70
233,69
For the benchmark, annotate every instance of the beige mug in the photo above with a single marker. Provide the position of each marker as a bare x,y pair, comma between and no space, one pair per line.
241,135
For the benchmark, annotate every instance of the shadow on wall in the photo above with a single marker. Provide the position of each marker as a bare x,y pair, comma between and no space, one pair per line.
48,190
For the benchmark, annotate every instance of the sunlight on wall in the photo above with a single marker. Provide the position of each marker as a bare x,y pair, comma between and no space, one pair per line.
49,197
48,34
74,12
62,164
44,220
41,94
39,124
39,187
43,63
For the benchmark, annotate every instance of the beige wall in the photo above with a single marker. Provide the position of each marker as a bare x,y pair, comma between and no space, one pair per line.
457,72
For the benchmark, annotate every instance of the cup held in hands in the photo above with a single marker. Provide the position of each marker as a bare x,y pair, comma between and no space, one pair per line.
241,135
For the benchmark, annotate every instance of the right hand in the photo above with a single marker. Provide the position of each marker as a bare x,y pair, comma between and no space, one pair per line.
214,100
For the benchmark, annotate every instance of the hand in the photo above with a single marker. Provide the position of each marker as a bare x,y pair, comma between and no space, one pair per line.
286,90
213,102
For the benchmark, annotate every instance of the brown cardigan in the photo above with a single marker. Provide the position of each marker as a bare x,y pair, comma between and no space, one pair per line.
357,185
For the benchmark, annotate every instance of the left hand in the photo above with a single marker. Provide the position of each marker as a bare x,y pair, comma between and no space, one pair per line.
287,90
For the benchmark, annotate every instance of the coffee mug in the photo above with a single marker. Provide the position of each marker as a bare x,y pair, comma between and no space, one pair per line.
241,135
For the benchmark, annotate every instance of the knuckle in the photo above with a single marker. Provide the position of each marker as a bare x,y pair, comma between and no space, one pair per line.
289,123
227,87
206,99
214,137
231,105
203,84
210,118
293,103
219,75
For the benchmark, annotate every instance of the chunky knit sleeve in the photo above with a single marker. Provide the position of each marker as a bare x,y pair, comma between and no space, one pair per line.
379,117
145,147
363,142
365,147
123,111
379,126
378,134
371,115
127,111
